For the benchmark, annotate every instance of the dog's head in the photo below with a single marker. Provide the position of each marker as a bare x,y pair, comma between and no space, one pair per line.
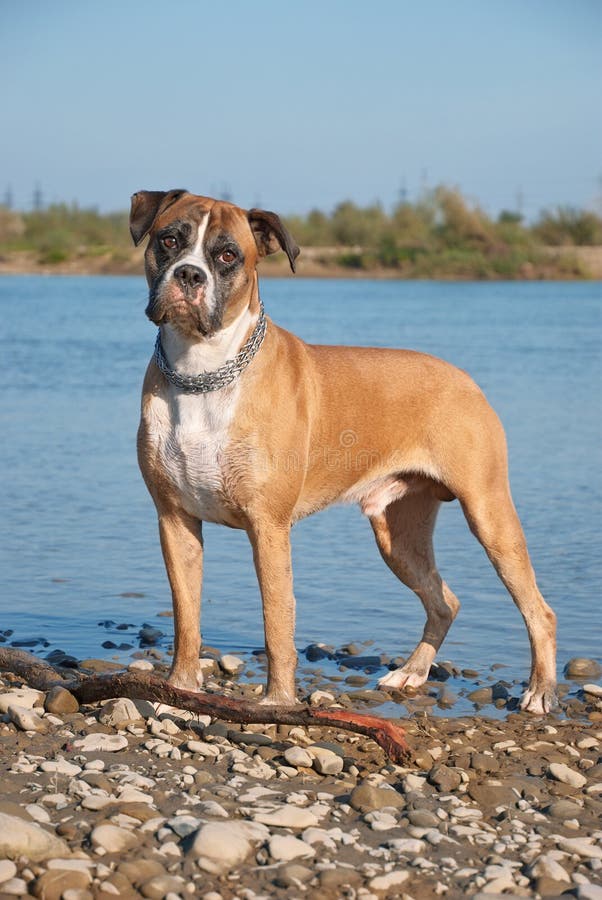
201,256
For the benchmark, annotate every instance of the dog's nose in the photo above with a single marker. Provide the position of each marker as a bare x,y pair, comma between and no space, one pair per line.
190,277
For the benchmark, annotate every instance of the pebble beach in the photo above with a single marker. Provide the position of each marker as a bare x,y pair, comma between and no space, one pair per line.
136,799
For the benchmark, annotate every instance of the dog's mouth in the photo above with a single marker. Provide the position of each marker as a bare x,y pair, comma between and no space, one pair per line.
185,310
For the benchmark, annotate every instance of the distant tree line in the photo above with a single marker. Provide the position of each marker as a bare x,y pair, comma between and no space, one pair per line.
443,233
440,235
60,232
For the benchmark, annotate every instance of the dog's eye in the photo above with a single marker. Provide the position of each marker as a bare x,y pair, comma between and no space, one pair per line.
227,256
169,242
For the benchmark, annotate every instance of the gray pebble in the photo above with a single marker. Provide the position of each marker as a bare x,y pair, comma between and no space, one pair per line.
367,797
216,729
148,635
244,737
330,745
444,778
582,667
337,878
481,696
60,701
563,809
292,875
423,818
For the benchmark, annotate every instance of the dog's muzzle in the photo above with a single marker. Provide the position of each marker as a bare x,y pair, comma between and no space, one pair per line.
181,296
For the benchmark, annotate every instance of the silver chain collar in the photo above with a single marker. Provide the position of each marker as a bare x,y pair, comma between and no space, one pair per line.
219,378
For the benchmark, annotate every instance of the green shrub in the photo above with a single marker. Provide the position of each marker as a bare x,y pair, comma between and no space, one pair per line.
353,260
569,226
52,256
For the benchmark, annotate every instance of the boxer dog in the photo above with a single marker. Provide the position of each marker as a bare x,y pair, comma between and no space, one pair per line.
246,425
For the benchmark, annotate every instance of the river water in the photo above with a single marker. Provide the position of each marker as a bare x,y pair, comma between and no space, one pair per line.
78,529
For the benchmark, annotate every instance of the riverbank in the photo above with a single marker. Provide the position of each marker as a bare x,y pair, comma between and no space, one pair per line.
136,799
548,263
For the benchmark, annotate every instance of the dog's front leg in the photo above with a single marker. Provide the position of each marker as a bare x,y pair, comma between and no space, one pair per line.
272,555
182,545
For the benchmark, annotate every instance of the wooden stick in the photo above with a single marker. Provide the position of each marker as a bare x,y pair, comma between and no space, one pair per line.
140,686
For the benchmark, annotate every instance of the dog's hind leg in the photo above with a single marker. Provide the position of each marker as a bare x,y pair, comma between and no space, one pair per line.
404,534
493,520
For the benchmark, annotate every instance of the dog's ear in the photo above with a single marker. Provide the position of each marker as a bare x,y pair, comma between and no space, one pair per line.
271,235
146,205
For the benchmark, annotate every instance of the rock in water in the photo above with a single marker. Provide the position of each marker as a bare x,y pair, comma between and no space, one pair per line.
594,689
316,652
231,664
149,635
582,667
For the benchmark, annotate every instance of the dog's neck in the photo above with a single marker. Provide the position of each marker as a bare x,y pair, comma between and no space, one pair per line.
190,356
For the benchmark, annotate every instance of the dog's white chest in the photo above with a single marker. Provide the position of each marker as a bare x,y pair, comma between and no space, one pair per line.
191,433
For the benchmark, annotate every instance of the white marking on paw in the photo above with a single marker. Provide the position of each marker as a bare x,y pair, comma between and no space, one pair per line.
538,702
401,678
278,700
186,681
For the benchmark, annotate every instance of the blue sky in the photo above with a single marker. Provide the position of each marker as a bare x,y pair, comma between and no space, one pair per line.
302,105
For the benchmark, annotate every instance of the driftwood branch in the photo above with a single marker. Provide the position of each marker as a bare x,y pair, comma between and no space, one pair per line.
140,686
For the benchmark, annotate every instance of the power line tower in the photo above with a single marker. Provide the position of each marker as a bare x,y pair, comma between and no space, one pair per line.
403,192
225,192
8,198
598,197
38,198
519,201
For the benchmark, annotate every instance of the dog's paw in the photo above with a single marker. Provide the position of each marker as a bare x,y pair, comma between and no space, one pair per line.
278,698
186,679
402,679
539,701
